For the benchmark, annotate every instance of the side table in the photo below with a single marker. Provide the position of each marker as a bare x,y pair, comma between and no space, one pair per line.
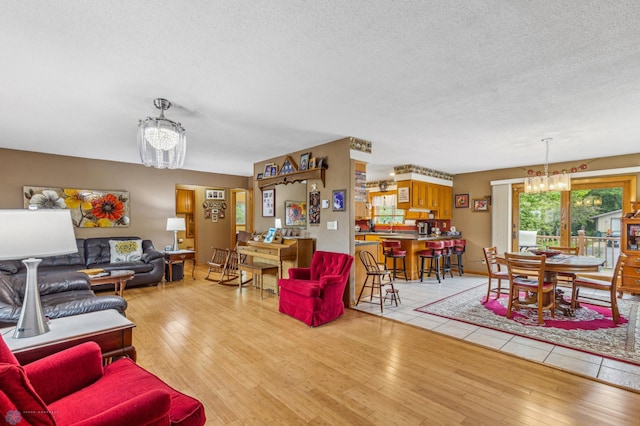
109,329
171,257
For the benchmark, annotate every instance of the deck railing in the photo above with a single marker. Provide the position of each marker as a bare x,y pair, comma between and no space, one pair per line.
605,247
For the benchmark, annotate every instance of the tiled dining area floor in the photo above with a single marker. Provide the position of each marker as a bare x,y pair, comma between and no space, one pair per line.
414,294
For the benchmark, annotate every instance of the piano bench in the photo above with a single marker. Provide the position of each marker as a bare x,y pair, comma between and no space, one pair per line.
257,269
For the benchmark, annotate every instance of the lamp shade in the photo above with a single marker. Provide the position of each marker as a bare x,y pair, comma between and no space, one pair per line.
176,224
31,233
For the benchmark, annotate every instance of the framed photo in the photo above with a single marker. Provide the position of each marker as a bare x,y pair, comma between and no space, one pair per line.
260,175
274,170
214,218
314,208
214,194
339,199
462,201
312,163
481,205
267,170
269,203
295,213
304,161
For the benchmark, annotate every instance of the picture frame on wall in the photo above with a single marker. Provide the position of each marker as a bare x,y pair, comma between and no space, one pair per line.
481,205
214,194
462,201
314,208
339,200
295,213
312,163
268,203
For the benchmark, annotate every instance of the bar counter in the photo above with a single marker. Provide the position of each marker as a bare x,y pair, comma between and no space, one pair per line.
410,241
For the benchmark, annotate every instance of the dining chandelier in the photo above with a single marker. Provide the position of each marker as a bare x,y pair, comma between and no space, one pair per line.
162,143
558,181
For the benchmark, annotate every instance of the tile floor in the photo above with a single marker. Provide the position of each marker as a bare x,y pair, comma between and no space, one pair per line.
414,294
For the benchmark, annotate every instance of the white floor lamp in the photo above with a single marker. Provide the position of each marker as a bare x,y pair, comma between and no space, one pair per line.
27,234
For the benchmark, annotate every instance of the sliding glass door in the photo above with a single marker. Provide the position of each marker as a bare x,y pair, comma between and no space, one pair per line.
593,205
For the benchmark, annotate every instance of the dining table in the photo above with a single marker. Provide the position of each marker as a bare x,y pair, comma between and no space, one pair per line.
566,264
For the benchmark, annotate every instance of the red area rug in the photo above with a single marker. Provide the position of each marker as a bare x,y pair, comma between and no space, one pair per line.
592,330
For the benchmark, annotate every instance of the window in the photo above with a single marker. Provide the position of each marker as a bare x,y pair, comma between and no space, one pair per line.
385,211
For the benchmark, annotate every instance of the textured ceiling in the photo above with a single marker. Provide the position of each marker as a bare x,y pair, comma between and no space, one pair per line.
457,86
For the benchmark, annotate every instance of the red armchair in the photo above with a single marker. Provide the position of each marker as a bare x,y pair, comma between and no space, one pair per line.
314,295
71,387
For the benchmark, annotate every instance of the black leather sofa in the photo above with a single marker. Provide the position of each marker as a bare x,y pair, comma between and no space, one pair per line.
61,294
94,253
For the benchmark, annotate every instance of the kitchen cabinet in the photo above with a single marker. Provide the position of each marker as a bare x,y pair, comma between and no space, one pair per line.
184,200
446,202
425,196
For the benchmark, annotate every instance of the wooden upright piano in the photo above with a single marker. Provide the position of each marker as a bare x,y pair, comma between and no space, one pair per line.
291,253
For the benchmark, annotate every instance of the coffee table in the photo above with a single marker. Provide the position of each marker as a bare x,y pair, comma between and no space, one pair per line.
117,278
109,329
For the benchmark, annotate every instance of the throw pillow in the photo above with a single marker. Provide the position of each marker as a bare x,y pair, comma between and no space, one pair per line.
125,250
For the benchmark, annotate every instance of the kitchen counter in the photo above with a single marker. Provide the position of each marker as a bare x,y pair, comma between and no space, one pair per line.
410,241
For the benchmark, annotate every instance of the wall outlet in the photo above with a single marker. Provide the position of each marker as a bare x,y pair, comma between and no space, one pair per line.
332,225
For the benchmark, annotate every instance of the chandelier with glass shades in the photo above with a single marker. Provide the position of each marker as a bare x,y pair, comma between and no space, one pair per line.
542,182
162,143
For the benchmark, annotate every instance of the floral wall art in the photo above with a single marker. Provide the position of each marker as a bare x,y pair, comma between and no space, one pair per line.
90,208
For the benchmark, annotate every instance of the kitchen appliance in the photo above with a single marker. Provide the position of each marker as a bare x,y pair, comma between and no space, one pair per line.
424,228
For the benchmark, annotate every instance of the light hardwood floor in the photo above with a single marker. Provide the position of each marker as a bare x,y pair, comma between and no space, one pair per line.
249,364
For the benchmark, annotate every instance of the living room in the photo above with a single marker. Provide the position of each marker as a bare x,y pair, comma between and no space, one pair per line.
88,73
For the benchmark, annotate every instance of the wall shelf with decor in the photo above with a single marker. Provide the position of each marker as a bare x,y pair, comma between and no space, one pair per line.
270,182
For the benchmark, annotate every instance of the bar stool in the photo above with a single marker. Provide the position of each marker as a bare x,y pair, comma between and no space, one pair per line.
459,247
392,250
446,258
433,252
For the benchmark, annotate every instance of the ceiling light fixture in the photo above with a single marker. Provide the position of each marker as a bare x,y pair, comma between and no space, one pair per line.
162,143
558,181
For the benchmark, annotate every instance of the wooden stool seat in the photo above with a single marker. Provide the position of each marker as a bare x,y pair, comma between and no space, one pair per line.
257,269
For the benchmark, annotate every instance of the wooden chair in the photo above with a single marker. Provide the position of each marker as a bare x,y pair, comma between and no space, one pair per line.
608,286
494,271
526,274
378,274
217,262
565,279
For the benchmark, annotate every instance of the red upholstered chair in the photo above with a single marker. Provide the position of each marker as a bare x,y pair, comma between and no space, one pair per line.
314,295
72,387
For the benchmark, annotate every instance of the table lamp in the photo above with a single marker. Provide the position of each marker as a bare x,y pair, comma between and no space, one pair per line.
26,234
176,224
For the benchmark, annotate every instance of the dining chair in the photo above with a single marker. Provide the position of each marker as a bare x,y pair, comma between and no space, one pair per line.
494,271
609,286
565,279
526,274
